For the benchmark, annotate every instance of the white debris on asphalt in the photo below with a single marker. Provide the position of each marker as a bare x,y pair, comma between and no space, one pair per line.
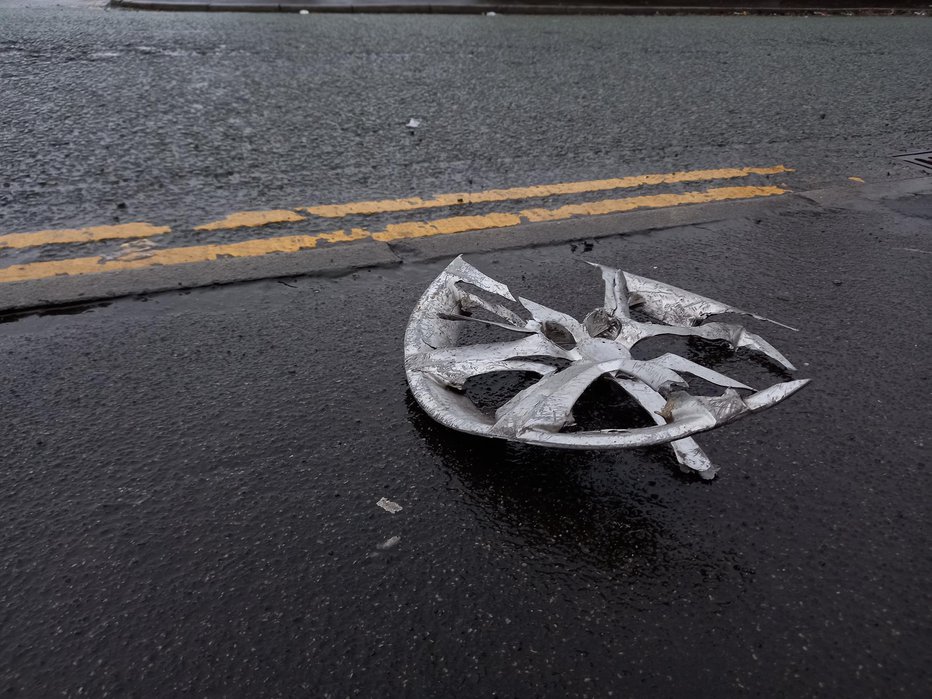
413,123
389,506
389,543
304,12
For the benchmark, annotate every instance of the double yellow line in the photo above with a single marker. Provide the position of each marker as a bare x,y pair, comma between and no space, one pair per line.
397,231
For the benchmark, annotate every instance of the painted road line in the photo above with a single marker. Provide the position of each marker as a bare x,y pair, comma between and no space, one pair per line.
174,256
255,219
81,235
655,201
462,224
245,219
546,190
251,219
445,226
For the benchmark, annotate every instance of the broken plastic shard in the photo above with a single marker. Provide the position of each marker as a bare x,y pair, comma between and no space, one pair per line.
437,366
413,123
389,506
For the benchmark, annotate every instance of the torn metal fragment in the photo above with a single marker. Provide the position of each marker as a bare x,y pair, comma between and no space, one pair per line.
437,366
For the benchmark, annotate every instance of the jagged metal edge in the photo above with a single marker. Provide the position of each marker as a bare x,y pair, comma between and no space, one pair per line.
434,327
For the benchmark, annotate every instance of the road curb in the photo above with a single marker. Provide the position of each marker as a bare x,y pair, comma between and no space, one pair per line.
331,261
473,8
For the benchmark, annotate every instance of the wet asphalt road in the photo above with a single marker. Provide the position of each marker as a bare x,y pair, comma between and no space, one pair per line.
113,116
188,481
189,486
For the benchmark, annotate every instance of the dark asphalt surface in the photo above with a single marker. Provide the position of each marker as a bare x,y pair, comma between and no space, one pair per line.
183,118
189,486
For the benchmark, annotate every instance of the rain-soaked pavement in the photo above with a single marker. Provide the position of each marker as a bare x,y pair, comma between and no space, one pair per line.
189,487
180,118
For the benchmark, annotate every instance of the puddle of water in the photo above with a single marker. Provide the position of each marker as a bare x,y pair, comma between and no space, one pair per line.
59,311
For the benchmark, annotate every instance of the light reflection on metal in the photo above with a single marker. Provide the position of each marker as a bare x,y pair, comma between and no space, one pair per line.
437,367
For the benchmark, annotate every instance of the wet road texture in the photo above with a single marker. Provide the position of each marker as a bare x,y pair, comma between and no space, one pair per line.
178,119
189,487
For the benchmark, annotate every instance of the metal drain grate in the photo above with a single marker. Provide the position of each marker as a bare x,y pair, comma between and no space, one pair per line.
923,160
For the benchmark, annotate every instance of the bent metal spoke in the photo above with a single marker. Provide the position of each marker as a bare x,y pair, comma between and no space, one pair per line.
437,366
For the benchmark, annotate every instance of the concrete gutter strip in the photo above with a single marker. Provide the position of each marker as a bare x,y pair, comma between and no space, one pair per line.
482,7
343,258
331,261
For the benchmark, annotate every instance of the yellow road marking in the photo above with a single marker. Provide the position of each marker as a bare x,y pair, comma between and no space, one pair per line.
655,201
444,226
462,224
173,256
251,219
545,190
81,235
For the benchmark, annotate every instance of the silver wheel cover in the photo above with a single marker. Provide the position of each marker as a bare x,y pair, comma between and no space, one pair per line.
437,367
